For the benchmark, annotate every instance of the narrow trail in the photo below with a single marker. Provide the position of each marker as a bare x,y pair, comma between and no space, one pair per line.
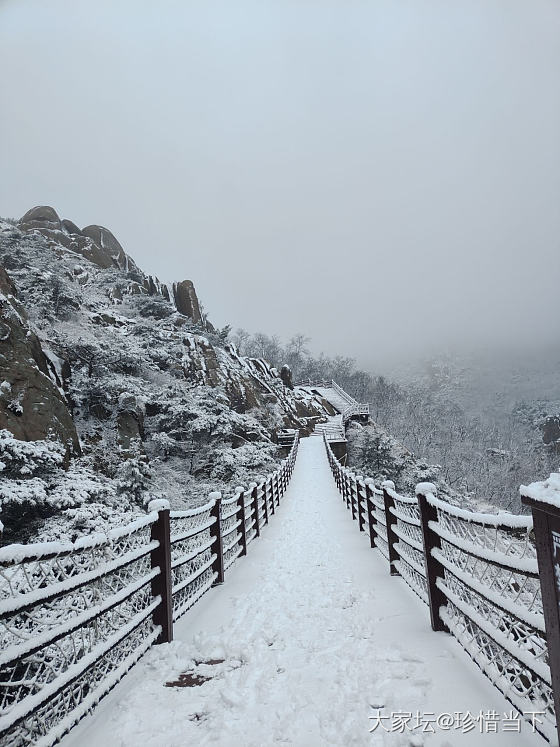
306,636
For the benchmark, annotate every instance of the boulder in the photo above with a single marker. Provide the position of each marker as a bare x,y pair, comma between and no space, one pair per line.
41,216
32,406
130,422
286,376
200,363
110,247
186,300
65,233
89,250
71,227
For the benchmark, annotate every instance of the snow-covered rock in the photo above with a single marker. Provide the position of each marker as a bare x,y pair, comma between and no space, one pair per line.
157,402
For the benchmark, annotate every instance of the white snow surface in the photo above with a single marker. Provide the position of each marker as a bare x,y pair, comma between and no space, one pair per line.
547,491
313,634
333,397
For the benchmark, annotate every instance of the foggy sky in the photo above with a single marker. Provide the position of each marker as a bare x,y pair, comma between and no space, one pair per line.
382,176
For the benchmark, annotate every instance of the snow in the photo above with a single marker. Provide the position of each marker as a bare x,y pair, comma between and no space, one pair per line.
128,529
159,504
193,511
515,562
502,518
333,428
533,664
31,703
340,400
22,648
307,637
18,553
547,491
426,488
501,601
11,604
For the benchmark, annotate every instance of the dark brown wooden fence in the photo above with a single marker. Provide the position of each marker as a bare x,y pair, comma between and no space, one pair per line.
477,573
74,617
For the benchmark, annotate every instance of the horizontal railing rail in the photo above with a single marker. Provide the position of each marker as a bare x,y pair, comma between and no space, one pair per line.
74,617
354,411
477,573
322,383
71,615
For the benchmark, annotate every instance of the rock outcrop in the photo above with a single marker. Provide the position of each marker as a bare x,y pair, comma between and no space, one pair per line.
286,376
110,247
32,406
40,217
95,243
130,422
186,300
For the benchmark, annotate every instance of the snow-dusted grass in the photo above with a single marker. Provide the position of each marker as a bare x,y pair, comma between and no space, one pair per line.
313,633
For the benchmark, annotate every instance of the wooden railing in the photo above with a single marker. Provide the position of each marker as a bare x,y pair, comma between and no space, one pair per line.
353,407
74,617
322,383
479,576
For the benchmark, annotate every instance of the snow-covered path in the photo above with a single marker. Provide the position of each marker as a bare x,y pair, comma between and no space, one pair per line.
305,636
335,399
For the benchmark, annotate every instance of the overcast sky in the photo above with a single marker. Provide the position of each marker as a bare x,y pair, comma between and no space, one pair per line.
383,176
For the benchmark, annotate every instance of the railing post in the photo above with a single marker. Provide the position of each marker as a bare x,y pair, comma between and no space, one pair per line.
265,504
242,526
353,489
268,488
161,558
372,521
216,534
359,481
255,504
546,525
390,520
433,568
275,480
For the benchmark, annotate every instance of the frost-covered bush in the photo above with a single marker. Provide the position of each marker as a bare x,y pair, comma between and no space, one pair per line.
65,298
153,306
87,518
28,458
133,480
34,486
376,454
235,466
80,485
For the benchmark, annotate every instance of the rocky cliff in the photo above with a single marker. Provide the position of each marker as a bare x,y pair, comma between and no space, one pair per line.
114,389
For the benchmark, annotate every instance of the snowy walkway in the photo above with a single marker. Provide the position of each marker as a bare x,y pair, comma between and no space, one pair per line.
308,632
332,396
334,428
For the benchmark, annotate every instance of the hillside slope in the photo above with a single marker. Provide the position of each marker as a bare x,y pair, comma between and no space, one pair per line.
115,389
